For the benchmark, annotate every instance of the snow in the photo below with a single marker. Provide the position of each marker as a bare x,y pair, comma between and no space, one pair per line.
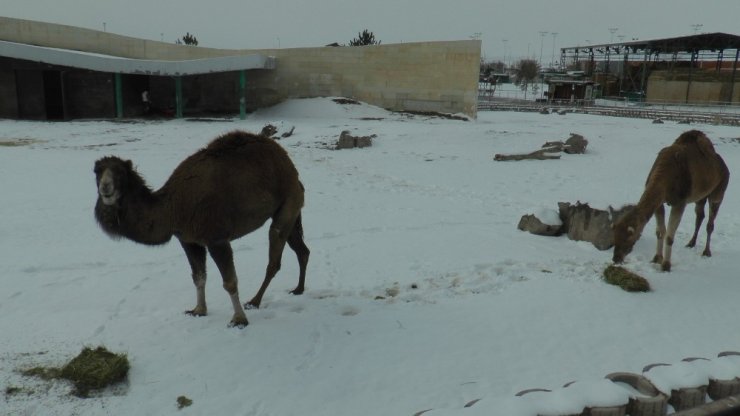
421,292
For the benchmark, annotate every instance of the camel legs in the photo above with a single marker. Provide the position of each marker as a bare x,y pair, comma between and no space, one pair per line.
659,233
224,259
295,241
197,258
673,221
699,210
713,209
277,244
284,228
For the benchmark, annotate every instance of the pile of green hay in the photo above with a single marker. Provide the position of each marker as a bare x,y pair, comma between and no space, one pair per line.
95,369
183,402
627,280
92,369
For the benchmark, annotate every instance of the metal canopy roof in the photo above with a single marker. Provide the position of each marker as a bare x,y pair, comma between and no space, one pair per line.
114,64
701,42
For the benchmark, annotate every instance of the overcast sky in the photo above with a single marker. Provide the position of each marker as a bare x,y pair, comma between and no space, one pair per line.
509,29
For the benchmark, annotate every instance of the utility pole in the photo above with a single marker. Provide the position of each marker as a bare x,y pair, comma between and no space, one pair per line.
505,51
542,39
554,35
612,30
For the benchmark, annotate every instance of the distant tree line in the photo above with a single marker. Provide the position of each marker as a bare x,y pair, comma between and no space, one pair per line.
188,39
364,38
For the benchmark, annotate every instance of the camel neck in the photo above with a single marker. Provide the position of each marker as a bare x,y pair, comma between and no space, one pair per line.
146,220
651,199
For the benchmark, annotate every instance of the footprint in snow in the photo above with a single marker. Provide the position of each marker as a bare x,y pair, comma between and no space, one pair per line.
349,310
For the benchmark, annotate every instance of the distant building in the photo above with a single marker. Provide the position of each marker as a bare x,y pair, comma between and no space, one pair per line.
58,72
571,91
701,68
41,83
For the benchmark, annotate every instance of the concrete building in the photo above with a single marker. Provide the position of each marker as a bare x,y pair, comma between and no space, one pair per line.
50,71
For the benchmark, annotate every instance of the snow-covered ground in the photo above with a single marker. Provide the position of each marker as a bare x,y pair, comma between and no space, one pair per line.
421,292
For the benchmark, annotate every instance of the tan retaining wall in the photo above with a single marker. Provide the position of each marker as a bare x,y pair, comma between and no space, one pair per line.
423,76
705,87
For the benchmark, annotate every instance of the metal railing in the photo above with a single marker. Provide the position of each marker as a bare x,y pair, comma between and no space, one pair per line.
687,113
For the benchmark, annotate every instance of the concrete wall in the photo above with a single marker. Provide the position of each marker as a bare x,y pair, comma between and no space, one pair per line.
89,95
424,76
705,87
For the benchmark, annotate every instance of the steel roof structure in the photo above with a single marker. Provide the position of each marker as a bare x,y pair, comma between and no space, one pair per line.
705,42
690,52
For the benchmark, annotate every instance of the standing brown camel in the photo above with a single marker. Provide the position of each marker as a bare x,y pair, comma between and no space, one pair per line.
220,193
687,171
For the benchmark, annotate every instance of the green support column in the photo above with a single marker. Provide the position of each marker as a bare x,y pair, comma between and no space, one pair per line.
732,80
242,94
178,97
119,96
644,76
694,59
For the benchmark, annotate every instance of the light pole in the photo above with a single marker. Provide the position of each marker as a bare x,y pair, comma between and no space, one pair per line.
542,39
612,30
505,41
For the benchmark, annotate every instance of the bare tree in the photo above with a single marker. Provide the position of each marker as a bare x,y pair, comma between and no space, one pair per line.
526,72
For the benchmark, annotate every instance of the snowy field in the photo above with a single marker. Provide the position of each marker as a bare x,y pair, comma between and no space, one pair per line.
421,292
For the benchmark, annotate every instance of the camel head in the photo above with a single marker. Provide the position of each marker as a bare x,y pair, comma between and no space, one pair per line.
111,175
626,233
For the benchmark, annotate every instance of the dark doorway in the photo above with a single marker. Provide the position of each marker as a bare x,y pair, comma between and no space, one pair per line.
30,94
54,95
133,96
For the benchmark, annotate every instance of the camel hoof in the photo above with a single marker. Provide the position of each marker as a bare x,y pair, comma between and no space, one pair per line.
296,291
666,266
707,253
238,323
196,312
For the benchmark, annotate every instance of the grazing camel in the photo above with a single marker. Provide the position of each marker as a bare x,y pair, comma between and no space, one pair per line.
220,193
687,171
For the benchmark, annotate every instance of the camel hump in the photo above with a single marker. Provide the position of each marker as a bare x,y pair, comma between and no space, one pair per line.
696,138
238,140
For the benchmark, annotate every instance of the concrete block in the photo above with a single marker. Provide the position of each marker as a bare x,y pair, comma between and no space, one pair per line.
650,402
688,397
719,389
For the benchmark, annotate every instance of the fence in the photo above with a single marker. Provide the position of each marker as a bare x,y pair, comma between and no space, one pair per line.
707,114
